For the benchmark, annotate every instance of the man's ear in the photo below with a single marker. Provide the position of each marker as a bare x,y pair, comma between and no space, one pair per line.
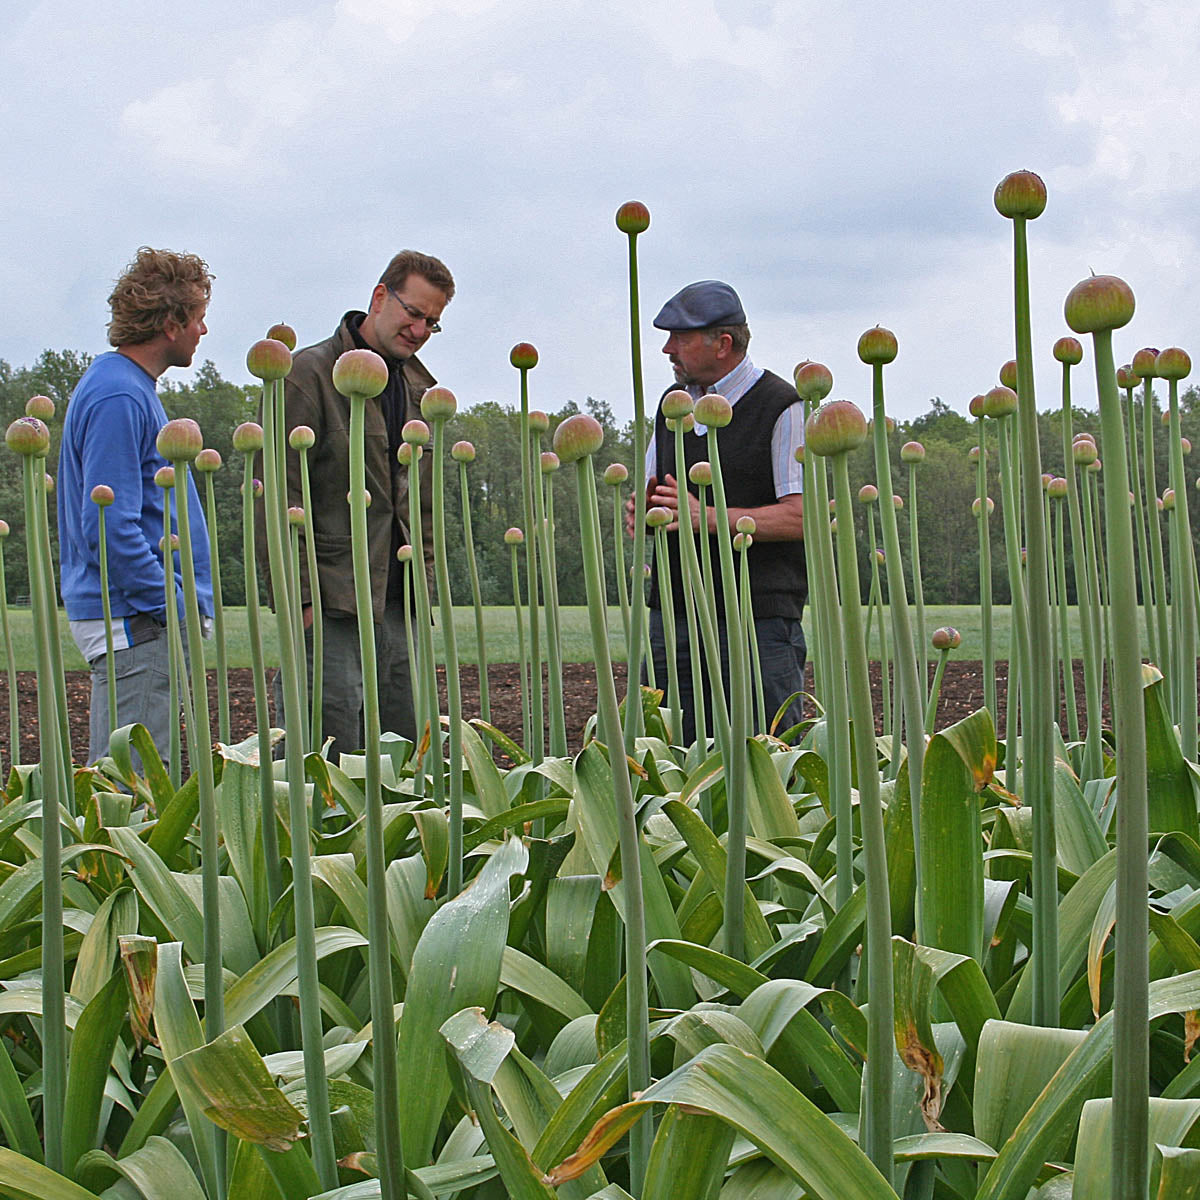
377,298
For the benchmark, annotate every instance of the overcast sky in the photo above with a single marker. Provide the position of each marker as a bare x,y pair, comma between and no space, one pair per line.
834,161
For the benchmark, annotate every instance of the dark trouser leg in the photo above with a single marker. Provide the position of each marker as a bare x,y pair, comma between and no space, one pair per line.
782,650
143,694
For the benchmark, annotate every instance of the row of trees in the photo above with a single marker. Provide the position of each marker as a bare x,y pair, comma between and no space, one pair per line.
945,481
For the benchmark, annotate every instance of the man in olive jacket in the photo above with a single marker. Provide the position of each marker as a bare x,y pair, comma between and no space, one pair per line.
405,310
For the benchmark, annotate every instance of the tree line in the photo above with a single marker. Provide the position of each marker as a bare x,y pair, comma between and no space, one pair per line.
946,481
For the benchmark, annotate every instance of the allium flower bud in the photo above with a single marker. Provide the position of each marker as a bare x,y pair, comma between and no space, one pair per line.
248,438
833,525
877,345
438,404
539,422
991,506
268,359
415,433
577,437
1168,499
1173,363
1084,436
162,541
28,436
1158,503
658,516
977,406
523,356
880,558
832,504
164,477
836,428
295,516
1098,303
746,524
615,474
868,493
742,541
912,452
208,460
1094,467
102,495
1046,477
1021,194
366,495
713,410
1145,362
1068,350
550,462
302,438
405,454
1008,374
4,530
633,217
41,407
701,474
897,502
1166,417
946,638
1127,377
360,373
1000,402
973,454
1186,444
798,454
463,451
256,489
513,536
1056,489
1084,453
180,440
283,333
814,381
48,483
404,553
676,403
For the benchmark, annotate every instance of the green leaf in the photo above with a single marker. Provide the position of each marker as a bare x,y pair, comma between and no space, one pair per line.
486,781
157,1169
524,974
688,1157
1171,794
1180,1179
16,1120
1169,1125
768,806
162,892
23,1179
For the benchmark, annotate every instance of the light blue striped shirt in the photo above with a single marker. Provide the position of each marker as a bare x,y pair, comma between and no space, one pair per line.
787,435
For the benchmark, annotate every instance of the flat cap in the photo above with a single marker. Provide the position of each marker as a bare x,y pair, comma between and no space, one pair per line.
701,306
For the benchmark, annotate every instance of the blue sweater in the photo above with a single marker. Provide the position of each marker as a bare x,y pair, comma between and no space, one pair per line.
109,434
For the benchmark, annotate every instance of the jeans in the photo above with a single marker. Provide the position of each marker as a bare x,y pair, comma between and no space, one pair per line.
781,650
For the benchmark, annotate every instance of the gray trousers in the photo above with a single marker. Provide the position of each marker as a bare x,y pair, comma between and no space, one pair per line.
342,688
143,693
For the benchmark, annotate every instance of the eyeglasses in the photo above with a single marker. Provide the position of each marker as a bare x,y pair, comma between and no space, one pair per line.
416,314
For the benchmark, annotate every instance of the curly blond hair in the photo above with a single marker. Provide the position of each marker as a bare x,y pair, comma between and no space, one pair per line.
158,286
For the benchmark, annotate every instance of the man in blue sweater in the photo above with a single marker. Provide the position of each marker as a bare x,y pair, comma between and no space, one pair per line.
112,422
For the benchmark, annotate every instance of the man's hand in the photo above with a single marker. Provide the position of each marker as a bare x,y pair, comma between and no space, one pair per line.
666,494
631,508
306,612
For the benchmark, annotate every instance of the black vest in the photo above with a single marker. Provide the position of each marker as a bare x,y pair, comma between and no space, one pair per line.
778,582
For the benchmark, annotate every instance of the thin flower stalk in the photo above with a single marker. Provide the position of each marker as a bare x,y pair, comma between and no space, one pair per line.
1058,493
657,519
575,441
614,477
513,539
174,644
985,565
835,430
361,378
58,675
405,556
302,438
748,632
876,598
272,372
945,640
1097,306
1157,609
102,501
554,680
554,609
463,453
914,454
14,709
207,462
706,612
295,523
1129,380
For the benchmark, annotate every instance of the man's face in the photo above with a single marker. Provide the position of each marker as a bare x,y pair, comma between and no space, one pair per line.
182,340
694,359
391,326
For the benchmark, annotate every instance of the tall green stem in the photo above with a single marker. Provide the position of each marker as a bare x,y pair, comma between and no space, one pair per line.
485,707
1182,589
174,648
214,565
1066,653
536,748
1161,643
14,710
914,542
106,601
663,562
706,613
316,736
985,576
554,681
522,654
622,568
425,660
1139,516
692,584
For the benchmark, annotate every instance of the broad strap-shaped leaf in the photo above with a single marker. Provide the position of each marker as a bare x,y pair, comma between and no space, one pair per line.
22,1178
768,806
1171,791
158,1168
688,1157
1170,1122
1180,1177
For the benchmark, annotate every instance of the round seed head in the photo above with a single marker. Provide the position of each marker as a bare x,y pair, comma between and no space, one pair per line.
835,428
295,516
1173,363
1046,477
28,436
897,502
742,541
676,404
1158,503
256,489
1186,444
463,452
4,530
208,459
164,477
180,440
877,345
1008,374
41,407
248,438
268,359
302,438
539,422
48,483
1084,453
746,524
1056,489
1000,402
1021,194
366,496
174,543
713,410
1097,303
550,462
284,333
833,525
880,558
513,536
912,452
360,373
1069,350
102,495
991,506
1166,417
404,553
1168,499
868,493
1127,377
798,455
658,516
832,504
701,474
577,437
615,474
977,406
523,356
1094,467
687,422
814,381
1145,362
438,404
633,217
415,433
407,454
973,454
946,638
1084,436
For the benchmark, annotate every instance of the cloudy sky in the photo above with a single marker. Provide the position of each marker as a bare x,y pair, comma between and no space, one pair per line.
835,161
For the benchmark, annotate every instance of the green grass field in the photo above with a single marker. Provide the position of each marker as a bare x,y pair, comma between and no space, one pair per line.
501,635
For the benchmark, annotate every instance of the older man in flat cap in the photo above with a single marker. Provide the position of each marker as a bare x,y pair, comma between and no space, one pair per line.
707,341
